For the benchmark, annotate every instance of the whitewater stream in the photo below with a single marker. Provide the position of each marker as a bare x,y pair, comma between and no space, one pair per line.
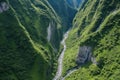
60,60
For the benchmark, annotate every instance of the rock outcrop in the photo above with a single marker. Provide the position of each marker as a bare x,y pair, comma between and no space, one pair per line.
84,55
3,7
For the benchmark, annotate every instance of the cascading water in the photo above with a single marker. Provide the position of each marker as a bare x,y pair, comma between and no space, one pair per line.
49,32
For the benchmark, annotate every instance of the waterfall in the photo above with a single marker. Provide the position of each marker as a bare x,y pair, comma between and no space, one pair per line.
49,32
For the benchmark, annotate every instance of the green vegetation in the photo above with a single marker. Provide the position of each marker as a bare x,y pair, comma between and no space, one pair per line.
65,12
25,53
97,24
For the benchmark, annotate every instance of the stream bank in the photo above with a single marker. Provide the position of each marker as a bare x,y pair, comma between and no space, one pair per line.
60,59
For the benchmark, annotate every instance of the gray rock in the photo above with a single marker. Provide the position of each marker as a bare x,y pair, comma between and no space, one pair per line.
84,54
1,10
3,7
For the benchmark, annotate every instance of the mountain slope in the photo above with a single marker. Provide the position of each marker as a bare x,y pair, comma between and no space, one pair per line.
96,25
31,31
65,12
25,52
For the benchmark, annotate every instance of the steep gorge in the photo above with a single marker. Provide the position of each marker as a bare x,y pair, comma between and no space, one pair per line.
31,32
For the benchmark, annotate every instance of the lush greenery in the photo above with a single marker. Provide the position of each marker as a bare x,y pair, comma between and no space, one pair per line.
25,53
97,24
65,12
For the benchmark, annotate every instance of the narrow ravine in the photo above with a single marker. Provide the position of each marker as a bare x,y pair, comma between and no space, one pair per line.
60,60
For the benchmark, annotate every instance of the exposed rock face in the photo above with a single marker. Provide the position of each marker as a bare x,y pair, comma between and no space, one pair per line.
84,54
3,7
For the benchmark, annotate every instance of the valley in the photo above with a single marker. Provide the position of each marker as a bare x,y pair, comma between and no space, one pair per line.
59,39
60,60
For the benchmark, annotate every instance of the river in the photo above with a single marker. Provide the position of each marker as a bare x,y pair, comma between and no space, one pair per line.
60,59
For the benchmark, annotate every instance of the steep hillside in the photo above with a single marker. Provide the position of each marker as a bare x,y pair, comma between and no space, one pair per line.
25,51
65,12
93,45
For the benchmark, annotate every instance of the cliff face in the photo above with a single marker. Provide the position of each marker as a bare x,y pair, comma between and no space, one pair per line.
84,55
96,25
25,52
